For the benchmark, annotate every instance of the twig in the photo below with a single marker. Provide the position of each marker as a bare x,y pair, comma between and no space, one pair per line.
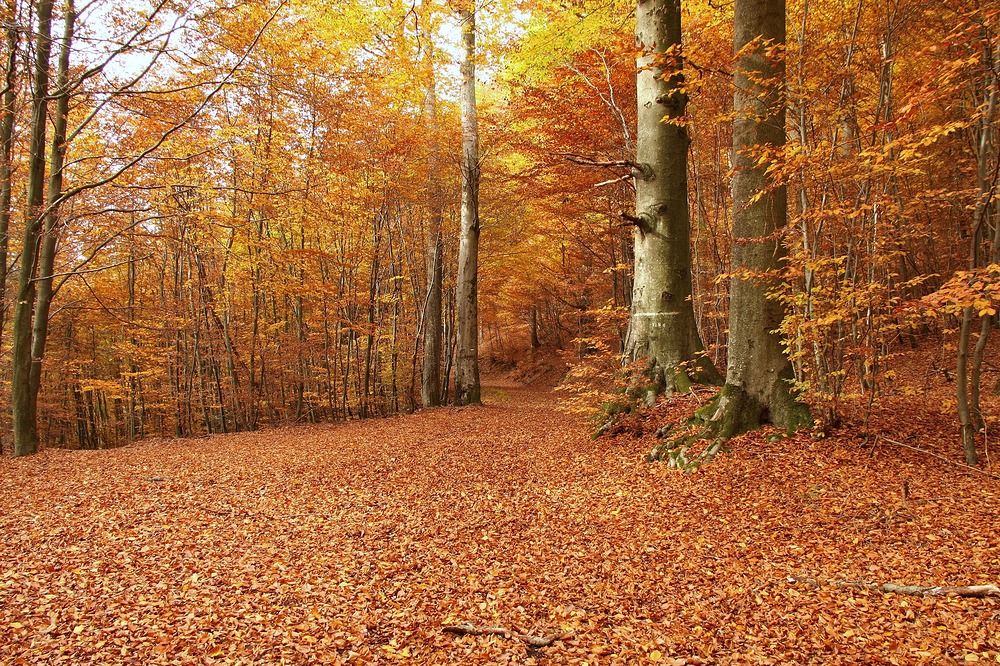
590,161
939,457
217,512
613,181
972,591
467,628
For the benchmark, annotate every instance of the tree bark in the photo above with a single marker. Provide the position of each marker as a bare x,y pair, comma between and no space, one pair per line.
50,226
6,151
758,380
662,327
25,427
533,327
467,388
968,387
430,384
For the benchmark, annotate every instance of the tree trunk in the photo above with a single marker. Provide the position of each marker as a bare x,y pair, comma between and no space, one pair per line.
50,227
533,327
6,152
430,384
662,328
968,388
467,389
22,409
758,381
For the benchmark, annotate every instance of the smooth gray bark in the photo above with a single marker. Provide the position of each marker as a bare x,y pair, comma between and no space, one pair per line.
758,380
662,328
430,384
467,388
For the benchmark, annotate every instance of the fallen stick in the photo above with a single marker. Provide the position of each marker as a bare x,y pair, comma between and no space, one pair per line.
534,641
970,468
974,591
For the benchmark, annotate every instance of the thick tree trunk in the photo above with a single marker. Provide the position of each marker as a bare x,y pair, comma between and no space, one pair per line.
467,388
662,328
758,381
430,384
25,427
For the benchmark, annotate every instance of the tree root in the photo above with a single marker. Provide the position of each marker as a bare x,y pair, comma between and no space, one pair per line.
973,591
731,412
467,628
678,453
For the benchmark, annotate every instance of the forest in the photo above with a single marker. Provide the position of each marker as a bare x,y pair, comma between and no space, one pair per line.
499,331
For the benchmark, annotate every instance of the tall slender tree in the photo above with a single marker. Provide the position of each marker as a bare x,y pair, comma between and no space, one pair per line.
23,401
467,388
758,379
7,145
430,385
662,327
51,223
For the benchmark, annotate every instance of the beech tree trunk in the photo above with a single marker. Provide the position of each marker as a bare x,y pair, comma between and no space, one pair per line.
6,151
430,385
662,327
967,385
467,388
758,380
22,406
51,224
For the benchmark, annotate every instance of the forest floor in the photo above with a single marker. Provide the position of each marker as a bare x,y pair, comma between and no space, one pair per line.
356,543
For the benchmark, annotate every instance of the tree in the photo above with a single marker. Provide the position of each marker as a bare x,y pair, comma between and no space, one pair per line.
662,327
985,237
430,385
467,388
758,385
23,400
7,145
42,223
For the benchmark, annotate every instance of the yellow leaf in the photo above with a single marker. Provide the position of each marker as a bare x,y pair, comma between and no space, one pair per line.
16,625
655,655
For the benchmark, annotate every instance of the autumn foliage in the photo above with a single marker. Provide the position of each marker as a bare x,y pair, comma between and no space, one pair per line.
265,261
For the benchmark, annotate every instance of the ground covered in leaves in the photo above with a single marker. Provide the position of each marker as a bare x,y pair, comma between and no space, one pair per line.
356,543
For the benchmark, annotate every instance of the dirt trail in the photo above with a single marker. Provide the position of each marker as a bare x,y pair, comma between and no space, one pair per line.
354,543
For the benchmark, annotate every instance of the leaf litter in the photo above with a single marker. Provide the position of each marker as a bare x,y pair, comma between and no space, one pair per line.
358,543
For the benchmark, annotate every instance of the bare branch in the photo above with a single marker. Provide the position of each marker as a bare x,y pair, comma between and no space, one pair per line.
533,641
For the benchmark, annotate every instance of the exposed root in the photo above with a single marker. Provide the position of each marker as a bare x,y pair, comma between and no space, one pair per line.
731,412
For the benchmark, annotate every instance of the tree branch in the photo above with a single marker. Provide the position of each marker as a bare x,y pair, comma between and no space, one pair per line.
534,641
935,455
642,171
641,222
973,591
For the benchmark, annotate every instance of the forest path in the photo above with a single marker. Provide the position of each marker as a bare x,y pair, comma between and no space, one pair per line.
353,543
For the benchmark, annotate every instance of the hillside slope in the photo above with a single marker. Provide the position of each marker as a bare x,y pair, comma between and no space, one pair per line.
355,543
